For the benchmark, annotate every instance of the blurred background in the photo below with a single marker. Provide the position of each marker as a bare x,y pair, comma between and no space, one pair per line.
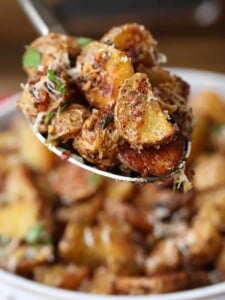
190,32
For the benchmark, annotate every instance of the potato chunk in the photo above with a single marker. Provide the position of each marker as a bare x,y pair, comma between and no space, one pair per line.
68,123
24,258
24,206
153,161
97,142
73,184
139,118
54,47
63,276
136,41
102,69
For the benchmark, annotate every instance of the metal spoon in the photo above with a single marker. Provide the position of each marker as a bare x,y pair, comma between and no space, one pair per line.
44,22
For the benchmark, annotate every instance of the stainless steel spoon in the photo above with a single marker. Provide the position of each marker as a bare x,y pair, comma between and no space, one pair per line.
44,22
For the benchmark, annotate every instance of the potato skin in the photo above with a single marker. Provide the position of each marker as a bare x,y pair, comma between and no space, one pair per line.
153,161
98,140
68,123
54,47
136,41
101,71
139,118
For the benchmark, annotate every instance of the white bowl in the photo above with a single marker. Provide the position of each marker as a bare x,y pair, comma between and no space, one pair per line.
13,287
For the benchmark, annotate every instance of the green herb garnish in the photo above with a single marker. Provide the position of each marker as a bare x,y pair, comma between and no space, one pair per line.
36,234
94,179
58,83
84,41
49,116
31,58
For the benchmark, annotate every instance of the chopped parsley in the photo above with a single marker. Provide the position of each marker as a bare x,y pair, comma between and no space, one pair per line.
59,86
49,116
84,41
94,179
37,234
31,58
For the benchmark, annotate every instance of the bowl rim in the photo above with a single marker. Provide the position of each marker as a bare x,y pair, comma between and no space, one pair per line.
7,106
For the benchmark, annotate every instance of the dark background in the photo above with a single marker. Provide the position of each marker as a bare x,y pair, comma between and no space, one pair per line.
191,33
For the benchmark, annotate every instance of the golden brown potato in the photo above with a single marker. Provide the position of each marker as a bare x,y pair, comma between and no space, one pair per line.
32,152
157,284
81,244
103,282
217,138
118,191
73,184
158,76
102,69
153,161
200,247
135,41
97,142
164,258
68,123
54,47
199,136
220,264
82,213
139,118
209,171
24,205
63,276
210,105
24,258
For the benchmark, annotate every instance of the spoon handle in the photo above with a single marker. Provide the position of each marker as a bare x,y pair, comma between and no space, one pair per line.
41,17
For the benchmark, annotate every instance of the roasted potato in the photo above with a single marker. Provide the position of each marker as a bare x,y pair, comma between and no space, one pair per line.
139,118
164,258
50,48
103,282
118,191
102,69
68,123
73,184
135,41
24,205
98,139
209,171
68,277
32,152
210,105
24,258
153,161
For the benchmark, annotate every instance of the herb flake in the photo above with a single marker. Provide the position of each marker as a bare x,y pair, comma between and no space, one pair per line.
31,58
84,41
59,86
36,234
94,179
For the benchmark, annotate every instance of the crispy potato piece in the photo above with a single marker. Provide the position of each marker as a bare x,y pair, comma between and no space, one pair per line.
153,161
200,247
164,258
103,282
32,152
199,137
212,207
210,105
68,123
102,69
121,212
54,47
24,258
98,139
118,191
24,206
209,171
220,264
157,284
81,244
82,213
136,41
158,76
63,276
73,184
139,118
